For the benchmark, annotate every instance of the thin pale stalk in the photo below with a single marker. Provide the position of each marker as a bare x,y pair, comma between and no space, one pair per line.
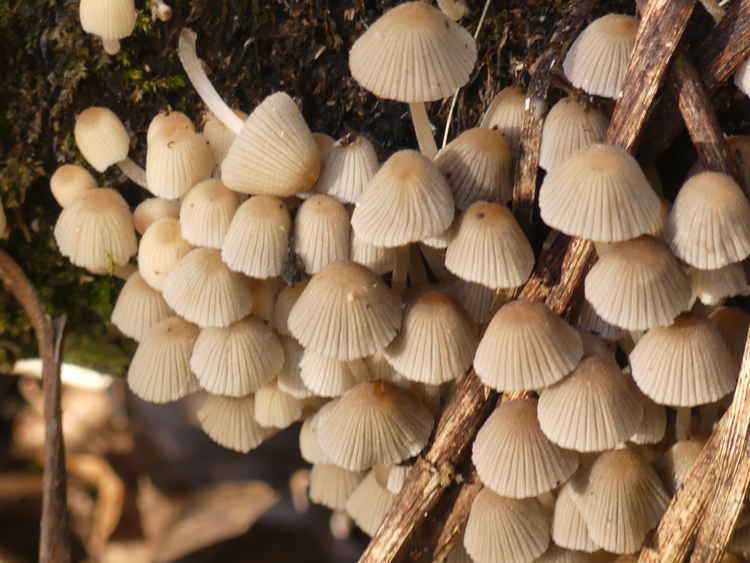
423,129
133,171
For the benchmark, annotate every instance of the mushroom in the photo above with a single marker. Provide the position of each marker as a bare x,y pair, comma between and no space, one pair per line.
369,503
557,554
321,232
219,136
289,378
676,463
276,409
138,308
589,321
379,259
328,377
230,422
151,210
332,486
505,115
350,164
476,299
733,324
568,526
713,287
176,160
284,302
653,424
161,248
206,213
111,20
70,182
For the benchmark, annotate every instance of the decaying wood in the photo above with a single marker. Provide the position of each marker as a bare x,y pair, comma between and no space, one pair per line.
54,544
453,526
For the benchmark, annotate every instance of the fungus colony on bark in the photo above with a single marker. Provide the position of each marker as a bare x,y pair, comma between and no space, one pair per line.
567,467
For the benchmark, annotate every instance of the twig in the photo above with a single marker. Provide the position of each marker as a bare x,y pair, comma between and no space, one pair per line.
54,546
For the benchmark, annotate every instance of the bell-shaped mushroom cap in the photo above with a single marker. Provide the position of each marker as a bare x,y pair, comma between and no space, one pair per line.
621,498
264,293
557,554
167,122
348,168
101,137
332,486
569,127
568,526
599,57
96,231
70,182
138,308
258,238
397,475
514,458
379,259
712,287
709,225
206,212
374,423
151,210
608,410
161,249
237,360
109,19
653,424
478,166
506,529
160,369
676,463
526,346
276,409
437,340
284,302
309,446
733,324
321,232
219,136
369,503
176,160
203,290
440,52
595,346
685,364
407,200
345,312
505,114
289,379
600,193
328,377
589,321
230,422
476,299
490,247
638,284
275,153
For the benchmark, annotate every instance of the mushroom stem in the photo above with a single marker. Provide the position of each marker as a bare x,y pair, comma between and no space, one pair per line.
682,423
402,268
193,68
423,129
111,46
133,171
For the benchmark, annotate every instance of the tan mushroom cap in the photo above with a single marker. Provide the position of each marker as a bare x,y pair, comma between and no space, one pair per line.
478,166
109,19
569,127
219,136
589,321
321,232
379,259
525,347
413,53
653,424
101,137
167,122
138,308
505,115
348,168
557,554
685,364
151,210
230,422
345,312
568,526
406,201
506,529
309,446
289,379
258,238
397,475
160,369
328,377
733,324
325,143
206,213
161,249
276,409
176,160
595,346
676,463
607,406
285,300
600,193
70,182
712,287
709,225
275,153
476,299
332,486
638,284
599,57
203,290
514,458
369,503
621,498
374,423
490,248
436,343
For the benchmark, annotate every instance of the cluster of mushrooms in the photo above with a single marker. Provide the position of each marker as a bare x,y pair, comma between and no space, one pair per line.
276,305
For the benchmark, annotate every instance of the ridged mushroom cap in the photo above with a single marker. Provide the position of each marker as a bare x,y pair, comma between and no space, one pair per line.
151,210
206,213
138,308
569,127
230,422
505,115
161,249
349,166
69,182
321,232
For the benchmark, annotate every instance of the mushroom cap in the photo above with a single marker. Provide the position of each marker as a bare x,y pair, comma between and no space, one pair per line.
219,136
276,409
597,60
203,290
309,446
600,193
321,232
413,53
160,369
332,486
569,127
557,554
476,299
490,248
685,364
506,529
176,160
258,238
638,284
379,259
478,166
206,213
373,423
138,308
161,249
733,324
505,115
284,302
348,168
589,321
608,410
101,137
709,225
526,346
436,343
230,422
406,201
369,503
109,19
676,463
69,182
236,360
653,424
345,312
514,458
275,153
289,379
328,377
568,526
166,122
712,287
151,210
96,231
742,77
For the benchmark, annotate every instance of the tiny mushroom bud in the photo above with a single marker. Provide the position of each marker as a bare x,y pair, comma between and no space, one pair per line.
111,20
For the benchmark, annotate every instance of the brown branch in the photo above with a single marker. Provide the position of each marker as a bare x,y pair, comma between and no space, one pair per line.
54,546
